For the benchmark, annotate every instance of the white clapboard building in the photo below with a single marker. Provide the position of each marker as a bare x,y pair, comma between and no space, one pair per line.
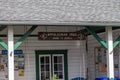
59,39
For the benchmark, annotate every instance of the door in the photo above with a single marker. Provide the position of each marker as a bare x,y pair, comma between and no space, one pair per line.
44,67
51,65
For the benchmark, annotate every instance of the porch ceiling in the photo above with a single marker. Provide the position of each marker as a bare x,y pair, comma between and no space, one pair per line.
96,29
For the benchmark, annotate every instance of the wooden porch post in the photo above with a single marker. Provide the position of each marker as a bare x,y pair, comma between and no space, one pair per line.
110,60
10,53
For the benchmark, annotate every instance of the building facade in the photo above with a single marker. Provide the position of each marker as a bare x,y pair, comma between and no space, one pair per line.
42,59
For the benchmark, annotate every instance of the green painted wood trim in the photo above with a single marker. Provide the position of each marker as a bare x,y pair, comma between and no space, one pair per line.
20,41
3,44
66,65
117,41
18,35
102,42
41,52
37,65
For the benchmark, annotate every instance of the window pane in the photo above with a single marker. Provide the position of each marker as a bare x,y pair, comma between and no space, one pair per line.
59,59
55,67
47,75
56,73
60,67
47,59
42,68
42,60
42,76
55,59
47,67
60,75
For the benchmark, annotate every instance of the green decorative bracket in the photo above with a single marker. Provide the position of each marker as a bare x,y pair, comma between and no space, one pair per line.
102,42
117,41
20,41
3,44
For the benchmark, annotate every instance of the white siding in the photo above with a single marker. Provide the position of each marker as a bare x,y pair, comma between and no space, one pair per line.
76,54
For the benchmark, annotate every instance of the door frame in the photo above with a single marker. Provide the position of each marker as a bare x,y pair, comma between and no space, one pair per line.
43,52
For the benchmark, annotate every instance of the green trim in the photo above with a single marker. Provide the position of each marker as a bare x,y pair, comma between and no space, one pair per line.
20,41
37,65
3,44
18,35
41,52
66,66
102,42
117,41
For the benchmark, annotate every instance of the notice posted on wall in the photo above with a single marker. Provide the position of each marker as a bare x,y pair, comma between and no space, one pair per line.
19,62
101,61
21,72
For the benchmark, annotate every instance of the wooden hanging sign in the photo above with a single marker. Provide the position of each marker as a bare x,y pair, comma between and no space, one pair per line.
61,36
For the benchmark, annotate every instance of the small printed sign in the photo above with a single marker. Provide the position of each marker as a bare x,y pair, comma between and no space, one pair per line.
4,52
61,36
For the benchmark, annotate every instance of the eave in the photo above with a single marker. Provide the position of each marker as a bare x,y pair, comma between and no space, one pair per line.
63,23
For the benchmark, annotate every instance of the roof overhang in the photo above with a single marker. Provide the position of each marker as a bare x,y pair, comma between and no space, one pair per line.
65,23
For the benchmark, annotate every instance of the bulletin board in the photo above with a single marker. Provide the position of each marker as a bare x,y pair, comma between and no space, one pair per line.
101,61
19,62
